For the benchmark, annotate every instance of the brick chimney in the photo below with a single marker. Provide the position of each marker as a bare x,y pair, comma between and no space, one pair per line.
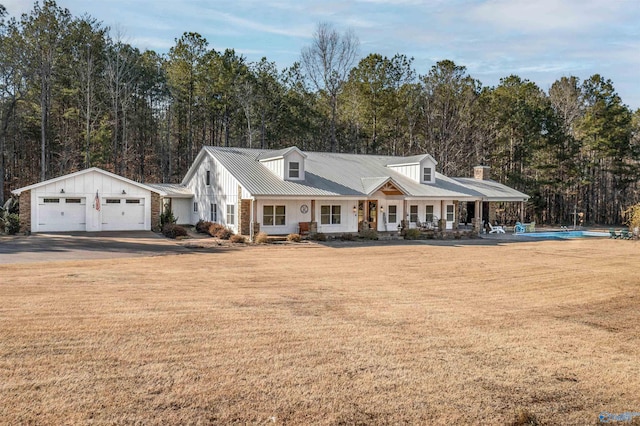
482,172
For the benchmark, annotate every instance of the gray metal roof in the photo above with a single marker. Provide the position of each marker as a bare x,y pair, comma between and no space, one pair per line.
492,190
173,190
332,174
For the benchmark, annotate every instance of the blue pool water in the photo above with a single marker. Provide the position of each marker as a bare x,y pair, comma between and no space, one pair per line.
563,235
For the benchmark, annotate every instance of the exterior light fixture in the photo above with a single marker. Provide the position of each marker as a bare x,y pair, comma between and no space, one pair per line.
124,192
62,191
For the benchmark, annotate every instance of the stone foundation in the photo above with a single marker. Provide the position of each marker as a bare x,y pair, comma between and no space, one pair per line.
25,211
156,210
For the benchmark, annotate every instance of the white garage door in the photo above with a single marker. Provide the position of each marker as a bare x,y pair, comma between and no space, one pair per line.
62,214
123,214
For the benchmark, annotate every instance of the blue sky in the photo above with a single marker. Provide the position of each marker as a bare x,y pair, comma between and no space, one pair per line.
540,40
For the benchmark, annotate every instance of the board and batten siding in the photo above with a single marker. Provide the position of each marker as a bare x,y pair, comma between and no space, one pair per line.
84,186
222,191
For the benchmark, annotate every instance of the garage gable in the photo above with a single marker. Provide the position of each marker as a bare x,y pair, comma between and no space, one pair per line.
90,200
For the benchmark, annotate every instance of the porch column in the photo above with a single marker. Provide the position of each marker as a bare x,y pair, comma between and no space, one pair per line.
443,216
456,214
477,220
313,225
521,211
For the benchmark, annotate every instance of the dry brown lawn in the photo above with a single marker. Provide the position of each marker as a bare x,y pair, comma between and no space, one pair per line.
313,334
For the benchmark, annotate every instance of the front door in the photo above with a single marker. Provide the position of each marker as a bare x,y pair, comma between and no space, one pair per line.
373,214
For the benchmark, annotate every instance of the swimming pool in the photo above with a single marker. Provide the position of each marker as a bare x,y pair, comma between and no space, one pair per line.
564,235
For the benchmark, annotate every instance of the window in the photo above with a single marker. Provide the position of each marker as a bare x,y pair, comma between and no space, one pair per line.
426,175
231,214
429,215
273,215
136,201
112,201
450,213
294,170
330,215
73,201
208,178
195,207
214,212
413,214
51,200
393,214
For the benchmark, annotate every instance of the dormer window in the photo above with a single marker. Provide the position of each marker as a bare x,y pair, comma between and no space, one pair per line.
294,170
426,174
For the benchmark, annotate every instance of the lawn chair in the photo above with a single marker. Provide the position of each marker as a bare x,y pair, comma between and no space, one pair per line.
625,234
495,229
519,228
613,234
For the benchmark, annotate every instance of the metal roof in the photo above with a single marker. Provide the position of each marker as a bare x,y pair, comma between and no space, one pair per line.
334,174
173,190
85,171
492,190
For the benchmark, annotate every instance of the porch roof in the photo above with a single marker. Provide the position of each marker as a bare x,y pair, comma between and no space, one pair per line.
492,190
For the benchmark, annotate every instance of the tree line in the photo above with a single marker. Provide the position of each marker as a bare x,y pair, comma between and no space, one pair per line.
74,95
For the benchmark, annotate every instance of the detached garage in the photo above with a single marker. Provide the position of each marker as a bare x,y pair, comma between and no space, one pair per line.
89,200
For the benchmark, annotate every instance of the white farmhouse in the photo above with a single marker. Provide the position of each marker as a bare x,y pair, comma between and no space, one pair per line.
279,192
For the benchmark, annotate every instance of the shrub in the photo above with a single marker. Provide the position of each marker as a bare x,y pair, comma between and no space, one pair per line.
238,239
203,226
412,234
224,233
12,224
318,236
166,217
262,238
294,238
369,234
171,230
633,217
214,228
347,237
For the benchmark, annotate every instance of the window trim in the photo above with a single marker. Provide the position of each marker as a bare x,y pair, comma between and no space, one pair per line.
231,214
424,174
274,215
213,212
208,178
332,215
426,213
195,207
394,214
295,169
453,216
413,217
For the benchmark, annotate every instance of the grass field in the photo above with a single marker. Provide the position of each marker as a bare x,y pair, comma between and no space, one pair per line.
313,334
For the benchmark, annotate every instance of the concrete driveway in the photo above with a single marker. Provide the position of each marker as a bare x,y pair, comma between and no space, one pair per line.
84,245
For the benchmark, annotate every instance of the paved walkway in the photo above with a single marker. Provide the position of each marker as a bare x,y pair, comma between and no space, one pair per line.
85,245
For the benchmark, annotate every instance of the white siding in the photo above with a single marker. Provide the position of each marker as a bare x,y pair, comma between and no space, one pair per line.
181,208
348,219
412,171
276,166
223,190
296,157
427,162
85,186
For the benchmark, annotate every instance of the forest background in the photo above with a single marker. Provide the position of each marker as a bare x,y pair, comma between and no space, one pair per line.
75,95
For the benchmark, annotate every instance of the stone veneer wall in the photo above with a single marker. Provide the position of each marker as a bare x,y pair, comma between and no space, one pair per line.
155,211
245,217
25,211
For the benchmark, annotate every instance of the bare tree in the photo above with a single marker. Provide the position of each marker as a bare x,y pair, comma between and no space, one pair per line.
328,62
